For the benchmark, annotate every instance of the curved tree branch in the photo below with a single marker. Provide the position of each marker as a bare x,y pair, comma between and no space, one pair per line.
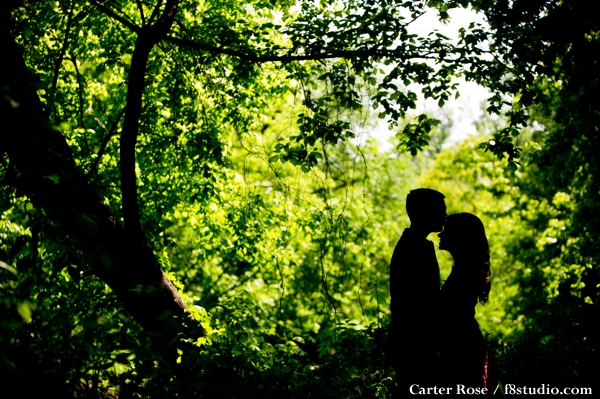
397,54
109,134
141,9
155,11
113,15
252,57
148,37
61,57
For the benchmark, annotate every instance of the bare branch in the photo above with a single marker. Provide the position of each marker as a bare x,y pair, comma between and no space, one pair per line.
80,95
61,57
113,15
79,91
139,4
109,134
155,11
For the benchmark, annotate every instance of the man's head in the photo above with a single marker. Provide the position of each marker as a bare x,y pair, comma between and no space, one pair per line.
426,209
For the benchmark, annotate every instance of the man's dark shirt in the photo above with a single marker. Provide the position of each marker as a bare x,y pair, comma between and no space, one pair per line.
414,294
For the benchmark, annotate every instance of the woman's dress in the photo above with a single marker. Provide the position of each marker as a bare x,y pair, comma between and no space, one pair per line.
463,352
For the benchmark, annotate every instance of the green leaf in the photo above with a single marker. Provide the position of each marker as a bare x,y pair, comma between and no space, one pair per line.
106,260
8,267
53,177
25,310
378,296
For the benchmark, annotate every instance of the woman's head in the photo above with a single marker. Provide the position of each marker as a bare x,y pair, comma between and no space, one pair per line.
464,237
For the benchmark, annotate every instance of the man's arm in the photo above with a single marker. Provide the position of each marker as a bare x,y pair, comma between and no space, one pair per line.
409,294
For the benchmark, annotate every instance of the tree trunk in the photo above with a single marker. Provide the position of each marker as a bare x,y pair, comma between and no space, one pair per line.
46,172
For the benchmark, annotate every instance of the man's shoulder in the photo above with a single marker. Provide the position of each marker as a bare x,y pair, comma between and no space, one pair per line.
410,248
408,238
407,235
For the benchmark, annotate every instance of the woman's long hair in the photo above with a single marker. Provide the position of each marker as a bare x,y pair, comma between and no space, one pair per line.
471,243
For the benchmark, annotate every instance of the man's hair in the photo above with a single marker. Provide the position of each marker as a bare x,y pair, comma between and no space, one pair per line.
419,202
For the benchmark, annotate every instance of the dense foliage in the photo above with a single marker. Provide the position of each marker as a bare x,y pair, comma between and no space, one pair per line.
192,204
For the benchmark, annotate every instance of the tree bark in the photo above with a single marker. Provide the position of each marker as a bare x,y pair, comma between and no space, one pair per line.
47,174
148,37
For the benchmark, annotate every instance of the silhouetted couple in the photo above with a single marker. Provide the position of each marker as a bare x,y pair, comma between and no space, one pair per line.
434,339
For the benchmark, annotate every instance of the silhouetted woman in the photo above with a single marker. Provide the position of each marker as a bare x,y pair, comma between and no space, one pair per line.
463,352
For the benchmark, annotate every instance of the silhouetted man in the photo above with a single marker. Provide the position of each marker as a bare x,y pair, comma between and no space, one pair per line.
414,290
